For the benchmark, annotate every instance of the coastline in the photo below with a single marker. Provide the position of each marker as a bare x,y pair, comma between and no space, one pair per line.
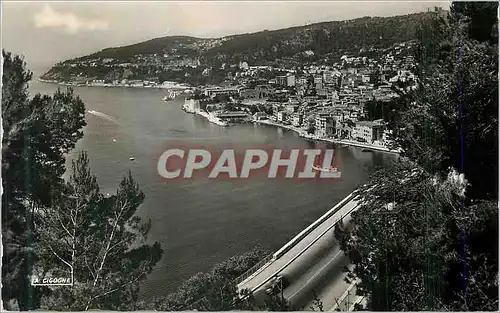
215,120
211,118
305,135
173,85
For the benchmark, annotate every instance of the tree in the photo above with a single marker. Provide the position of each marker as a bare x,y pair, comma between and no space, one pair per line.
317,303
215,290
437,129
381,236
406,240
253,109
97,239
482,19
311,128
422,236
51,227
378,109
37,133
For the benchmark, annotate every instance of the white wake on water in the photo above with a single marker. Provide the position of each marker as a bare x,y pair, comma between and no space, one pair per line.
148,136
103,115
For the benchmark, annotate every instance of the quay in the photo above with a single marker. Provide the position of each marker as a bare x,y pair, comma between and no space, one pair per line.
302,133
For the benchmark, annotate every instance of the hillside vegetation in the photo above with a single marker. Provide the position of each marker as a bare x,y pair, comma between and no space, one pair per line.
327,39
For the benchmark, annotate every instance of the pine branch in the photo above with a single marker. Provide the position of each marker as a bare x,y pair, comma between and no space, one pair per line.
115,289
109,242
55,253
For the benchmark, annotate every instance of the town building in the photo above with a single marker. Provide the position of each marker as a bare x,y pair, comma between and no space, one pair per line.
264,90
318,82
344,129
249,93
281,80
301,81
243,66
233,117
207,72
325,125
328,77
260,116
212,92
191,105
282,115
291,108
297,119
367,131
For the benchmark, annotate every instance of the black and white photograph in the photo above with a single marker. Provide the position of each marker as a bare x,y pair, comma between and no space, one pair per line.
249,155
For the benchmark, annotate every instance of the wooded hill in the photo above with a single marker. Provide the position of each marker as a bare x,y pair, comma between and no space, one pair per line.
326,39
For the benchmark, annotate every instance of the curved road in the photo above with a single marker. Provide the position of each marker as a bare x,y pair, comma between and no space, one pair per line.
312,266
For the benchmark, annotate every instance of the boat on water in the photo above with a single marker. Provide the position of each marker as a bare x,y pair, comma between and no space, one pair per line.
131,158
333,171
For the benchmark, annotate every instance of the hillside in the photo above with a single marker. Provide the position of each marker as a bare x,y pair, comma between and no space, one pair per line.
325,41
178,44
321,38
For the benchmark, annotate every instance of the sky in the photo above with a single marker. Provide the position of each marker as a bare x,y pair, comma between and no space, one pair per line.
49,32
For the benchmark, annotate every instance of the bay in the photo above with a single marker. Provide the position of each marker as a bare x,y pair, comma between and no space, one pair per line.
201,222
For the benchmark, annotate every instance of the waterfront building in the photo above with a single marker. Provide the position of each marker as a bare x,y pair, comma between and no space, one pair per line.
236,116
277,107
260,116
367,131
344,129
191,105
297,119
325,125
282,116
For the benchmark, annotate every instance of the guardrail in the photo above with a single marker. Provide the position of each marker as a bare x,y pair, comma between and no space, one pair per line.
349,298
303,250
313,226
253,269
